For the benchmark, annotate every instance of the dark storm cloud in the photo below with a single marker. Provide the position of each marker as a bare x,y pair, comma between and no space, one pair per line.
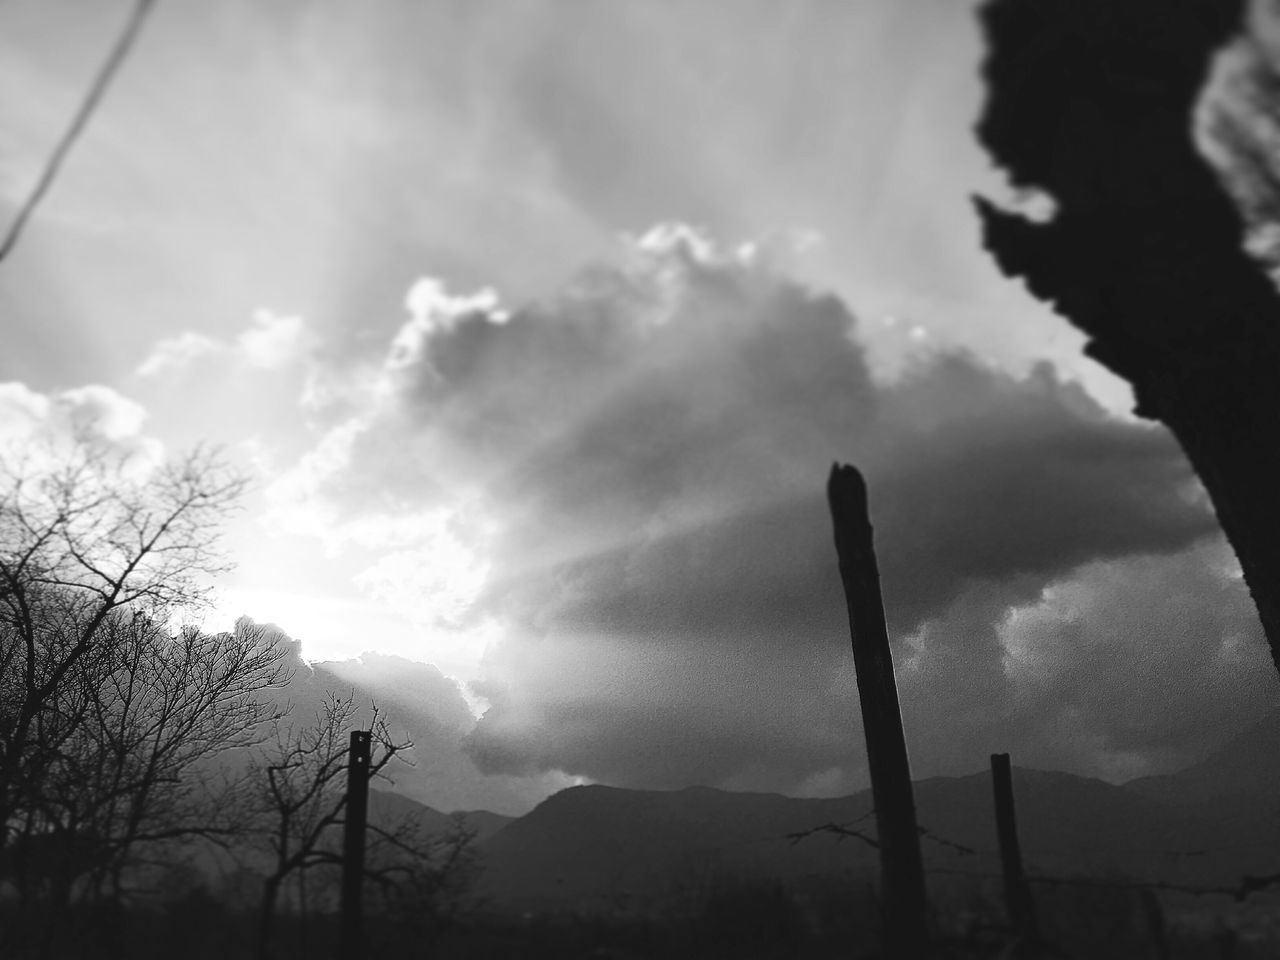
1123,667
995,479
1161,657
636,715
649,451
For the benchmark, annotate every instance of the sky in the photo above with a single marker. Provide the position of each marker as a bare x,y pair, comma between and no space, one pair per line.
538,326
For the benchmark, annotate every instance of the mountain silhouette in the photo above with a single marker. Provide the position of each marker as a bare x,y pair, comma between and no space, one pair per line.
386,808
603,849
596,848
1248,764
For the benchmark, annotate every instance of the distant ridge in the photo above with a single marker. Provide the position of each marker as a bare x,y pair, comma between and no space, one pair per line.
594,848
603,849
387,806
1247,765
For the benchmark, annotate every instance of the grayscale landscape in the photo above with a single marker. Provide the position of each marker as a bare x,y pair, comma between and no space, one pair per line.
685,479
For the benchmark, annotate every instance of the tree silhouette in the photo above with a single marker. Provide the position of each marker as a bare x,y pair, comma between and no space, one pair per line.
160,709
299,795
108,721
1092,102
95,534
420,880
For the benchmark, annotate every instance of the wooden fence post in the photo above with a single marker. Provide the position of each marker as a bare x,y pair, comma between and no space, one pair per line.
350,933
1017,892
905,908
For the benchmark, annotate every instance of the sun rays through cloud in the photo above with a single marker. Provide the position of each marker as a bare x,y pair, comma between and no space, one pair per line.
538,327
612,496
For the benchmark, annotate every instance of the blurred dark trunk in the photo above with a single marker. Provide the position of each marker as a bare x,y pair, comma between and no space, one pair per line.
55,918
266,917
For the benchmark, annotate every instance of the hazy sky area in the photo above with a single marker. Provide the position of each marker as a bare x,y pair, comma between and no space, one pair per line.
539,325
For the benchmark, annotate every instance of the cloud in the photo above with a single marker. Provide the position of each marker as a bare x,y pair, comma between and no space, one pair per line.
23,409
99,412
271,341
39,429
637,465
1120,668
422,706
435,581
1152,658
175,353
433,710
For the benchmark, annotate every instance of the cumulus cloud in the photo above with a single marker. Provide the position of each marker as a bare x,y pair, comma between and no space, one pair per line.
270,341
38,429
1148,659
634,472
1122,667
99,412
23,409
176,353
435,581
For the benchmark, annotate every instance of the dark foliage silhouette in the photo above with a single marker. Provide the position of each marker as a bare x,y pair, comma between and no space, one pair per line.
1092,102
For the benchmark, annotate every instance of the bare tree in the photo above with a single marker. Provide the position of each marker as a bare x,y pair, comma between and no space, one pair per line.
91,536
420,880
300,778
111,725
162,709
130,775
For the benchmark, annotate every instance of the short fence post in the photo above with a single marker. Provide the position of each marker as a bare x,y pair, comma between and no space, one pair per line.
905,907
1017,892
357,809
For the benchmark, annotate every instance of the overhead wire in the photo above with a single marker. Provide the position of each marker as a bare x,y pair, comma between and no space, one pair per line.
119,53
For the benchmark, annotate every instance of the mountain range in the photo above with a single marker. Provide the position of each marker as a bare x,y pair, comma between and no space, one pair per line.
605,849
600,849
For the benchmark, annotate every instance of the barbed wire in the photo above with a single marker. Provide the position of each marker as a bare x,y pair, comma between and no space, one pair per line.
840,830
1241,891
1247,885
843,830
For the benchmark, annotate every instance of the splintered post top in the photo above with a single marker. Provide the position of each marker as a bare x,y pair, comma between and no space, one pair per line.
847,495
